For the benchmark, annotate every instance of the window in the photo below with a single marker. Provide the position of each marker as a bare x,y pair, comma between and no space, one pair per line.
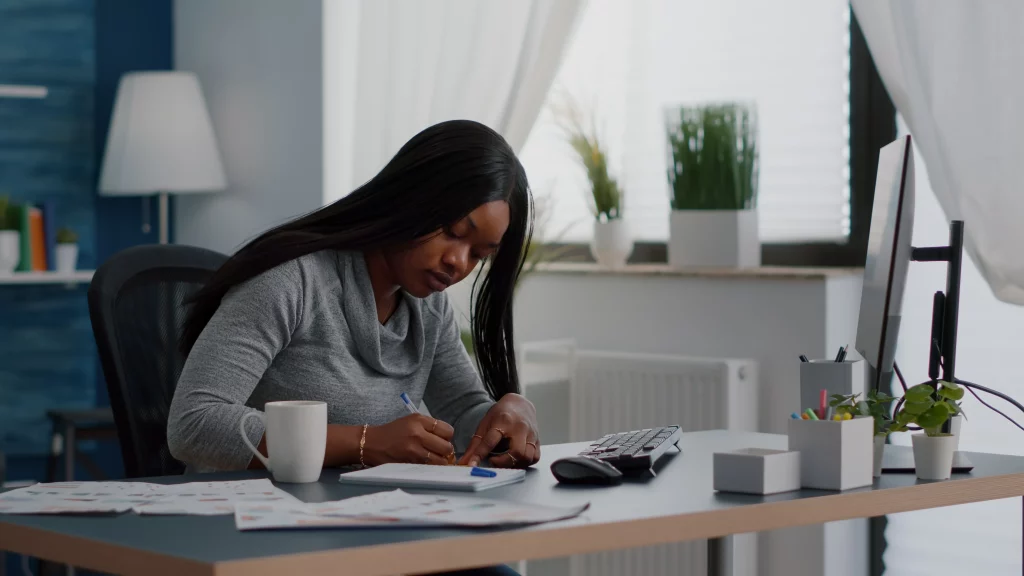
629,61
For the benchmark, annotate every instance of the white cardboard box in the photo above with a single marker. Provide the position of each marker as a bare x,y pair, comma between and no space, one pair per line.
757,471
834,455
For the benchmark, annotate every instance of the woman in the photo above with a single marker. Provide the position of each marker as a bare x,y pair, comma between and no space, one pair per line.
346,305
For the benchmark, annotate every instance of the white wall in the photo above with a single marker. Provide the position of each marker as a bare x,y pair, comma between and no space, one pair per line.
260,66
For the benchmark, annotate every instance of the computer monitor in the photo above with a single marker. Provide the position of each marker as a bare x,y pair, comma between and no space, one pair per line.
888,258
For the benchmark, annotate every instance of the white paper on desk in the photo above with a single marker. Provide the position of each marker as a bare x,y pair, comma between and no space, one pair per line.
430,477
75,498
213,498
196,498
398,509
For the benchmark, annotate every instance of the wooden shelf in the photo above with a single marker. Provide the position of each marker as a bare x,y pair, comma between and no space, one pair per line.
76,277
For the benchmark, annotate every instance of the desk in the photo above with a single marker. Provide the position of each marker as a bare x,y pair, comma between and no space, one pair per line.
679,504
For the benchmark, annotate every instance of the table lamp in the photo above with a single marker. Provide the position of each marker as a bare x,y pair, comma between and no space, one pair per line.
160,141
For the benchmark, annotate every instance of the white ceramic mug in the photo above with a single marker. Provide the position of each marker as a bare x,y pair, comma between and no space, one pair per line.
296,433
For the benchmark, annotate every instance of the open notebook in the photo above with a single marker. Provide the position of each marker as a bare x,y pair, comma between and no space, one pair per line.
428,476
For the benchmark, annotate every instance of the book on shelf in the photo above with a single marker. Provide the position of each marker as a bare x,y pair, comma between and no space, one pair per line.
38,230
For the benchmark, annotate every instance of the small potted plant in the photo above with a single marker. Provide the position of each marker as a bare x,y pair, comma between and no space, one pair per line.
611,244
10,237
67,251
876,405
713,174
929,407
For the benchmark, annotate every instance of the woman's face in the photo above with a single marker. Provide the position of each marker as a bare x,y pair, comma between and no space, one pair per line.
446,258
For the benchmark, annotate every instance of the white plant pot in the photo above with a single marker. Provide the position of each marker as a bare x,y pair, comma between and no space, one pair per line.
714,238
67,258
611,244
10,251
954,427
933,456
879,451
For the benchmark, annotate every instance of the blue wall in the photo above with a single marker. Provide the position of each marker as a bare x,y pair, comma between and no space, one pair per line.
47,151
52,148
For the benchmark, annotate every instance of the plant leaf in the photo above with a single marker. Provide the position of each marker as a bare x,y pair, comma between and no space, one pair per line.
917,408
951,393
934,416
919,393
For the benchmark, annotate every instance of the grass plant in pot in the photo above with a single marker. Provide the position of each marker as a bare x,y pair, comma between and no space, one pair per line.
612,243
713,174
10,237
929,407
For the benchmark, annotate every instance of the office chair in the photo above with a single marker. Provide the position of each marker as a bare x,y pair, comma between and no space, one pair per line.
136,304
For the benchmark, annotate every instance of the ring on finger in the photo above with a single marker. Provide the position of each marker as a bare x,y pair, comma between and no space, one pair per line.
426,459
535,447
514,462
433,426
500,431
478,436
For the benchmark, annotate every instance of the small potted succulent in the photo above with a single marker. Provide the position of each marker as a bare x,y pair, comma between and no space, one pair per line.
930,407
876,405
10,237
67,251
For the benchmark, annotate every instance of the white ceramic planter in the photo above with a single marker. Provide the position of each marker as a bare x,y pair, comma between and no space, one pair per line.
611,244
10,250
933,456
879,452
67,258
714,238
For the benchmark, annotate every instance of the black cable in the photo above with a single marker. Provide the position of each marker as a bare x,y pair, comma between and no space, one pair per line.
970,385
899,375
989,406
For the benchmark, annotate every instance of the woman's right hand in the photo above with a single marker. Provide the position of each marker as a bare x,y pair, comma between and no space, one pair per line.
415,438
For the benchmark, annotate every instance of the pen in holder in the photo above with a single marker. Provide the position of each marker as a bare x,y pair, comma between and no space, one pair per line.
846,377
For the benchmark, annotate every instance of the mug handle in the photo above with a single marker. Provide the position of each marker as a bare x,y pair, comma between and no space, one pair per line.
245,437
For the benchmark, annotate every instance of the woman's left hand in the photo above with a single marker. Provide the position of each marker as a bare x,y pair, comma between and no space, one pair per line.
512,417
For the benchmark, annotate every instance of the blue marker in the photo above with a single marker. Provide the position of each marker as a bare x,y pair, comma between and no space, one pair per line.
795,416
483,472
408,404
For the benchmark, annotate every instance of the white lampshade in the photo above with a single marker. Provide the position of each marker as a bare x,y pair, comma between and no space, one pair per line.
160,138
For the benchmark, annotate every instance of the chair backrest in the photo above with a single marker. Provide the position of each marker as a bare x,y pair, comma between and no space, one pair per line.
137,307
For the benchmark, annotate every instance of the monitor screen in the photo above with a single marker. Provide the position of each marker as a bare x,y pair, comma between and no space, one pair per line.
888,258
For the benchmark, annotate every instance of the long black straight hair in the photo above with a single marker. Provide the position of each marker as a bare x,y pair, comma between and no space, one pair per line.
436,179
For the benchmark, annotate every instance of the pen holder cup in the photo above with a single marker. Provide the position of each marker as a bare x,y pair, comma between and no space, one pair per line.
834,455
844,378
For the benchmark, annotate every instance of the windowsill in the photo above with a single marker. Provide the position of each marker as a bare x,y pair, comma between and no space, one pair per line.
763,272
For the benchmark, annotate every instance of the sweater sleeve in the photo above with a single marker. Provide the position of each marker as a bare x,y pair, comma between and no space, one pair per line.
254,322
455,394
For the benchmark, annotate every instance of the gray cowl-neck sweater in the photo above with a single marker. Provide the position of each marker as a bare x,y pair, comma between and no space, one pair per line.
308,330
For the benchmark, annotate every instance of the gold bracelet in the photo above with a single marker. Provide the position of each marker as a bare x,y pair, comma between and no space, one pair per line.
362,444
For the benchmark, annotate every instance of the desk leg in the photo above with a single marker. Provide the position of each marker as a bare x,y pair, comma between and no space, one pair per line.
720,556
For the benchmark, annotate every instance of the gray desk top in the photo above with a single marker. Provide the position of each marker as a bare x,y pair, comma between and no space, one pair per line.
678,504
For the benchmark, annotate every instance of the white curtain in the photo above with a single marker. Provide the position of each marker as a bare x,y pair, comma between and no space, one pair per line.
955,71
394,67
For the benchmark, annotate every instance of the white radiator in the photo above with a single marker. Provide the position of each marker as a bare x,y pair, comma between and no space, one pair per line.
617,392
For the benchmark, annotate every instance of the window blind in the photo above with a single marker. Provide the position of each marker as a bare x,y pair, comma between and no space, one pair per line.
629,62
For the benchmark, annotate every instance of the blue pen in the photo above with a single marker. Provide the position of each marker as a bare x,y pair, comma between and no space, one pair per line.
795,416
408,404
483,472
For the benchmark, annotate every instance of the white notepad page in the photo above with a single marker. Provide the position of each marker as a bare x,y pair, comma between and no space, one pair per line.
428,476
